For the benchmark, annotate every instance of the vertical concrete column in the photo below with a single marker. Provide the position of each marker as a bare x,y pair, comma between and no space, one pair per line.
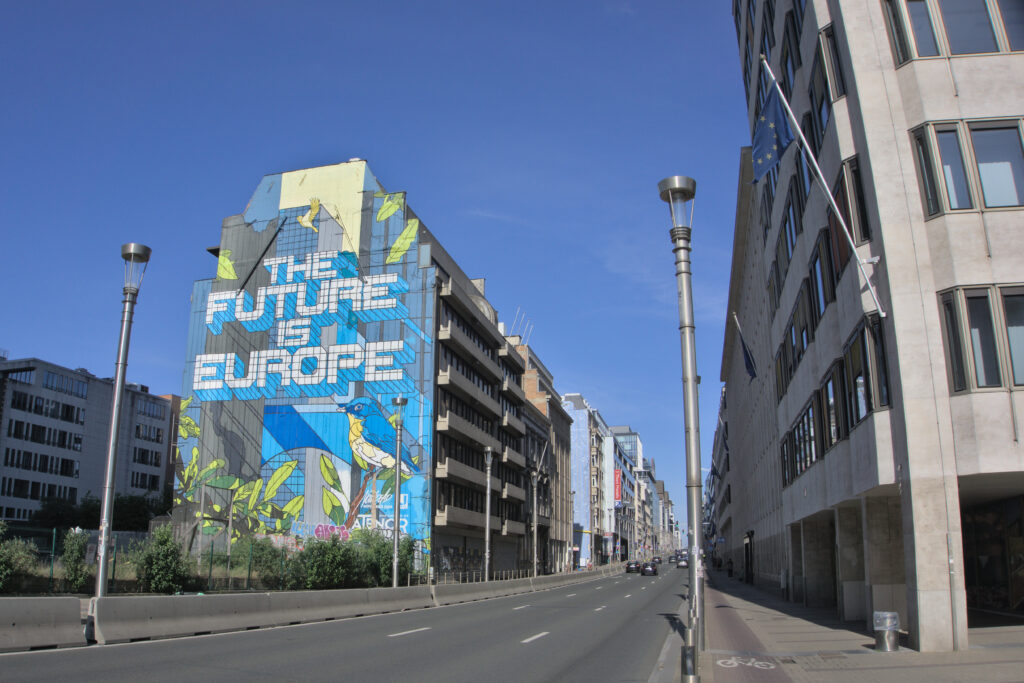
884,574
850,564
819,560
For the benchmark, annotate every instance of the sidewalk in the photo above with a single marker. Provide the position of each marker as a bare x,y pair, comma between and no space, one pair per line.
753,635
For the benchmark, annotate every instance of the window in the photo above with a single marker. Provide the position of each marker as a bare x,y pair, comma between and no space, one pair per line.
1013,312
1000,161
1012,12
835,70
833,408
821,102
897,36
790,55
968,26
925,173
957,191
983,339
822,282
798,9
921,24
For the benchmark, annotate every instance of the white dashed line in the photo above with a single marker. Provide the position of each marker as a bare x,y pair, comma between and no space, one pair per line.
533,638
520,607
599,588
600,608
629,595
405,633
570,595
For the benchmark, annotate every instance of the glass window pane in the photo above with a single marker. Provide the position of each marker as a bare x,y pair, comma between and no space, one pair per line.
921,23
924,167
1013,22
968,26
953,170
895,25
1000,164
983,340
954,351
1013,305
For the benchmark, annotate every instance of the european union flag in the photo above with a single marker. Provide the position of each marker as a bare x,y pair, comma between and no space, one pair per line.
771,135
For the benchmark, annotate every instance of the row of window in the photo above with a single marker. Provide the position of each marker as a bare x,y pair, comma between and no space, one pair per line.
47,407
17,514
454,360
147,482
450,315
66,385
980,163
16,458
467,455
448,401
26,376
953,27
34,490
151,408
49,436
149,432
854,386
983,330
145,456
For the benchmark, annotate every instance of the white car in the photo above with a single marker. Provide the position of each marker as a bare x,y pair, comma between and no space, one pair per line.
683,563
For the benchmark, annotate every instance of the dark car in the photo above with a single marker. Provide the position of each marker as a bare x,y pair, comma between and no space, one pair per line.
632,566
649,569
657,559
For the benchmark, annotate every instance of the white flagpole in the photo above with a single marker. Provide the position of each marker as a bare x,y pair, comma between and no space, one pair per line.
805,148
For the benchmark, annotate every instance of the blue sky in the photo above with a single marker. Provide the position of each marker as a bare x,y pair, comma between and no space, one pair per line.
529,136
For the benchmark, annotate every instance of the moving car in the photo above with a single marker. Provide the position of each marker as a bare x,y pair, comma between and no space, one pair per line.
657,559
682,563
632,566
649,569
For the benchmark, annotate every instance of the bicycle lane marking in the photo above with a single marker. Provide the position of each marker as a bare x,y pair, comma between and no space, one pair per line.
728,633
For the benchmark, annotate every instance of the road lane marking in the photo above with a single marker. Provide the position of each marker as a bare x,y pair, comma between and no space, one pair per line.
570,595
643,588
629,595
600,608
520,607
405,633
533,638
599,588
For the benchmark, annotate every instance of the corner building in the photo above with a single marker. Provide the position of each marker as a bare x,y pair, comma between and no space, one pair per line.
331,300
874,462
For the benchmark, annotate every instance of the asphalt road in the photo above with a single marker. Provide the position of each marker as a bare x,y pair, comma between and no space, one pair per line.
608,629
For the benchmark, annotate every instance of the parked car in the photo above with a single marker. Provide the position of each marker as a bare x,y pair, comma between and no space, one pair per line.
649,569
632,566
682,563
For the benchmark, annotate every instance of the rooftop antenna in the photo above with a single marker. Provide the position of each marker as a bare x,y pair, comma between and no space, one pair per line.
526,341
515,320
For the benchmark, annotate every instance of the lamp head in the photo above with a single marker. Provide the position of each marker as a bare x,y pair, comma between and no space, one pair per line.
135,256
488,455
679,192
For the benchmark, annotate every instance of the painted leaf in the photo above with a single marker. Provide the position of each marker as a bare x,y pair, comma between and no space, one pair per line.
279,477
391,204
225,266
333,507
227,481
184,403
187,427
404,241
254,497
244,491
208,471
294,506
330,472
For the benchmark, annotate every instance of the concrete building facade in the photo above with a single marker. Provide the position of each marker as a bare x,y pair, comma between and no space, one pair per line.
873,462
54,424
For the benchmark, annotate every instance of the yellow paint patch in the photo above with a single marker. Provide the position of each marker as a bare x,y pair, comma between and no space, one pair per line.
339,188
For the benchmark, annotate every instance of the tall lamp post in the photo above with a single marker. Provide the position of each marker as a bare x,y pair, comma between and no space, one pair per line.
679,192
488,457
398,402
135,256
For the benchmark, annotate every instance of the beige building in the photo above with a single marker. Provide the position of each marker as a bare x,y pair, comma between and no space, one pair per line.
874,462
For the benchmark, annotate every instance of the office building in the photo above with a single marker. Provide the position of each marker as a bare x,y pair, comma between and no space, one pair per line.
869,458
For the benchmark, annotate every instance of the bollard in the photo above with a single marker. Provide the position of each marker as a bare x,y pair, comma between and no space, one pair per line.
887,631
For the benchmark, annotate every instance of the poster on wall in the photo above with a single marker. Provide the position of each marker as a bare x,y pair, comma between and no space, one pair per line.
320,316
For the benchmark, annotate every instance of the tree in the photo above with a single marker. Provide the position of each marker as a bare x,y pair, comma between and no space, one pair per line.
161,567
17,559
76,571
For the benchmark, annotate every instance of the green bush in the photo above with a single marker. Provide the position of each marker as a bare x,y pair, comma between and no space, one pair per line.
17,560
269,563
161,567
76,571
322,565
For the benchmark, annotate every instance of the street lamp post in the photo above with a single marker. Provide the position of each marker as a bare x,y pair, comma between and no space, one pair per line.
488,456
679,192
398,402
135,256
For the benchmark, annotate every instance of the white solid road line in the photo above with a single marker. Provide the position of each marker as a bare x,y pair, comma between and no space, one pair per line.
520,607
405,633
533,638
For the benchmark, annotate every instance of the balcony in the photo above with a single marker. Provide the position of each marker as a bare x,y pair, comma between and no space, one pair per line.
454,336
463,430
513,424
512,491
456,516
510,528
457,383
510,388
509,455
450,468
508,352
464,302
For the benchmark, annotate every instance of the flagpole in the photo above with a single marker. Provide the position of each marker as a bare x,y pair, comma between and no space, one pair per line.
805,148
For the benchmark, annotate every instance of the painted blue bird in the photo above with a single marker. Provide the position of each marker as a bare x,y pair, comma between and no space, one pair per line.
371,435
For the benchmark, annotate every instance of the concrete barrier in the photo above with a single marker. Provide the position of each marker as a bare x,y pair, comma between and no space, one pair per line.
397,599
300,607
122,619
31,623
452,593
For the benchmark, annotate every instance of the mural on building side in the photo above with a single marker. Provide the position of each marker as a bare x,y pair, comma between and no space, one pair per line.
319,317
